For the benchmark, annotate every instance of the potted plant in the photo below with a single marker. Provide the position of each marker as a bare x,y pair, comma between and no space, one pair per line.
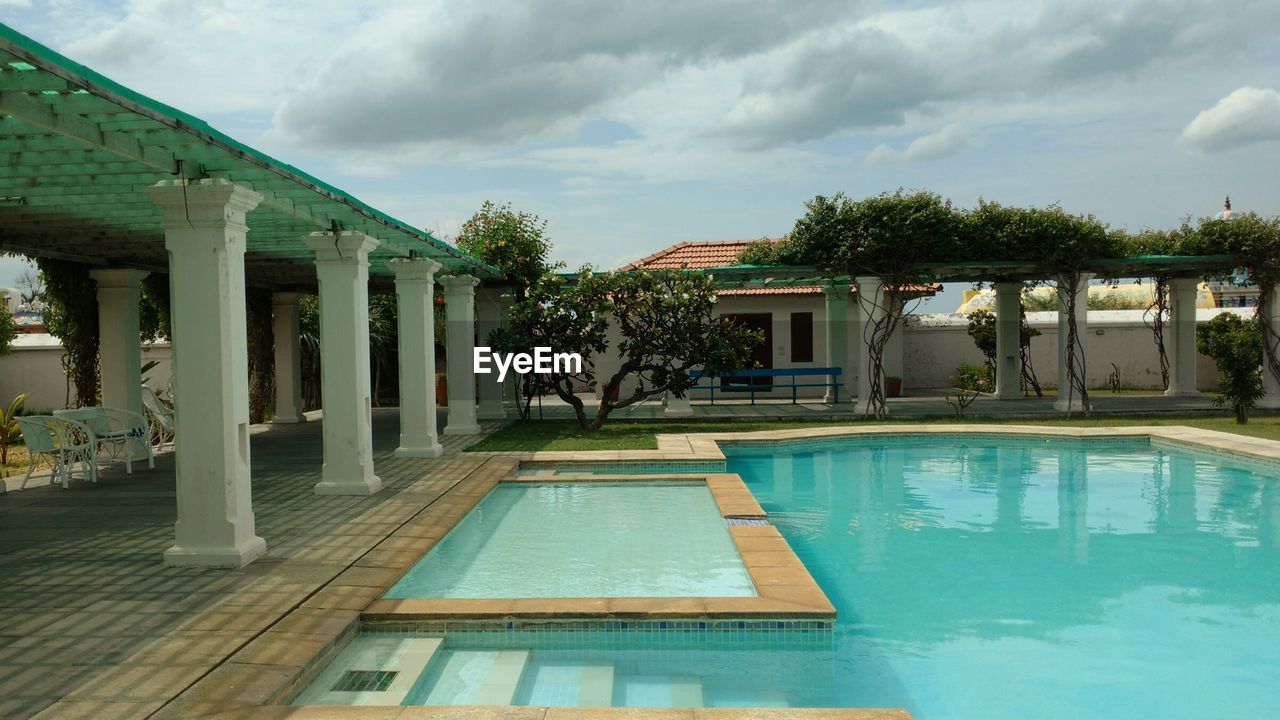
442,390
892,386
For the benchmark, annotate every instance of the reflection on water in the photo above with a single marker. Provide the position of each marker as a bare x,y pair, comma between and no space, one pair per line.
1037,581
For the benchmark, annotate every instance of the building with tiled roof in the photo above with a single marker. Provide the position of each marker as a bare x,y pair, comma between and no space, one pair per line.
708,254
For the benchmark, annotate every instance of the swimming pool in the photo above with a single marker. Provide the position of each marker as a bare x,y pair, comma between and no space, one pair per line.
588,540
1013,579
974,577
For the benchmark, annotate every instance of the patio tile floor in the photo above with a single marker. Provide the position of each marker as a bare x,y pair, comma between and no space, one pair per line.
93,625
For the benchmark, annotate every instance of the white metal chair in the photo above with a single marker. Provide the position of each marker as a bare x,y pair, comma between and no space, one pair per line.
162,429
65,442
122,434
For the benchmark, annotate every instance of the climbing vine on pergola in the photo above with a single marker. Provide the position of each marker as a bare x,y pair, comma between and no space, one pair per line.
903,238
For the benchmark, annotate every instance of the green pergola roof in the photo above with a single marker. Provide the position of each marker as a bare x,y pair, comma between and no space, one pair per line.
736,276
81,148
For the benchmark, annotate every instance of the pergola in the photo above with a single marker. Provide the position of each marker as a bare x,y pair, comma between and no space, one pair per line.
1008,278
102,175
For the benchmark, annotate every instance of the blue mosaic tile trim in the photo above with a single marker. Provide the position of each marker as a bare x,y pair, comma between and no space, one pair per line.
745,521
622,634
1252,463
752,447
619,467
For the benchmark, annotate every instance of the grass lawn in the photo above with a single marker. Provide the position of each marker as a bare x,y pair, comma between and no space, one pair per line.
566,435
16,463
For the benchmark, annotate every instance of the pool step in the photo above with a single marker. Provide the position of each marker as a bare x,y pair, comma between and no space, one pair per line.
372,671
499,686
680,691
595,689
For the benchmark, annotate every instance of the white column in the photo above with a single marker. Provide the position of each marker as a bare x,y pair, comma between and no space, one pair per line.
415,296
853,349
872,300
678,407
1082,329
342,267
1182,337
286,335
204,229
488,319
119,342
1008,340
460,343
837,327
1270,383
511,388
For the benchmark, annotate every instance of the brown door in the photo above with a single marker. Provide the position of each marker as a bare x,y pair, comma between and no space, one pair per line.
762,352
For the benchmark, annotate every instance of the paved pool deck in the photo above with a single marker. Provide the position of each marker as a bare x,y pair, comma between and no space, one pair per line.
92,625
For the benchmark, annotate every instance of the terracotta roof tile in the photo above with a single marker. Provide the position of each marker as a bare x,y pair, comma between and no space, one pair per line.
693,255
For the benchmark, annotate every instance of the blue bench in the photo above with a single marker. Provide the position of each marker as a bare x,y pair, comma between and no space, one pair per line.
743,381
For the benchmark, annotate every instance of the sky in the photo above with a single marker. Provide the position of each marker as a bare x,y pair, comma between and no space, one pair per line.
633,126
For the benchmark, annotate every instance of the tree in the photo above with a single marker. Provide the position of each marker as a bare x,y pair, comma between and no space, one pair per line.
888,236
8,330
1256,242
71,314
1059,245
1235,344
668,335
514,242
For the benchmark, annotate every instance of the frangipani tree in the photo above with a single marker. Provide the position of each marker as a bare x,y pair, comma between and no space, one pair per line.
668,335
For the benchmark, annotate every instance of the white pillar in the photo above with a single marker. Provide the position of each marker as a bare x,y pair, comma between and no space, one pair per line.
872,300
853,350
204,229
1082,329
286,335
1270,383
342,267
1008,340
119,342
488,319
460,342
1182,337
837,327
678,407
415,298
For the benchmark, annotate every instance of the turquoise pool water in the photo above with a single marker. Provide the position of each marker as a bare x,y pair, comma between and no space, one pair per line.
1036,579
995,579
631,539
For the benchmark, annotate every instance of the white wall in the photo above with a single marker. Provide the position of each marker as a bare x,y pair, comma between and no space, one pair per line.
935,345
34,367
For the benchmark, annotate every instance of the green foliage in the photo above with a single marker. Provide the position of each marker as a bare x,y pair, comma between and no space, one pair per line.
1051,239
772,252
1235,345
153,310
666,328
968,383
978,378
514,242
309,323
8,331
384,341
982,328
10,430
71,314
260,351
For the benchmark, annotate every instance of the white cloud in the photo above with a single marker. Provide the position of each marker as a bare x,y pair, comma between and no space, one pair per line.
1247,116
948,141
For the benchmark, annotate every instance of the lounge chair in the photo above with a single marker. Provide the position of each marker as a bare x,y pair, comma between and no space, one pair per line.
161,417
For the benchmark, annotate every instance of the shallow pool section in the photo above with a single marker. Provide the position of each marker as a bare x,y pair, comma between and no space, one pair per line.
584,539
